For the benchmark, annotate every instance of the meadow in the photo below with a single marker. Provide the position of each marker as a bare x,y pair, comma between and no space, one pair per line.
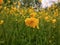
26,26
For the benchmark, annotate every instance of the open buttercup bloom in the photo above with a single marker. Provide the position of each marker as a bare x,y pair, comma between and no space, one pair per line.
32,22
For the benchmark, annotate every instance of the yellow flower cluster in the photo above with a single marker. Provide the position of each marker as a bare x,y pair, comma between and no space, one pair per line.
29,14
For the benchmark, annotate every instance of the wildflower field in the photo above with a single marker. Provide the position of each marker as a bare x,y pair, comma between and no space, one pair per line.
25,26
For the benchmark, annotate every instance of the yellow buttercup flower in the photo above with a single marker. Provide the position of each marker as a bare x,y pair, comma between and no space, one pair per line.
19,3
9,1
33,14
32,22
22,12
1,22
14,8
30,10
56,12
53,20
47,18
5,8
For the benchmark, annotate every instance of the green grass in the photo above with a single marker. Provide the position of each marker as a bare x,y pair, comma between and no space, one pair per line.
14,31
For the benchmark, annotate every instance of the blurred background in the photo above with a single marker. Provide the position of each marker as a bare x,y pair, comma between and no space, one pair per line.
34,3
